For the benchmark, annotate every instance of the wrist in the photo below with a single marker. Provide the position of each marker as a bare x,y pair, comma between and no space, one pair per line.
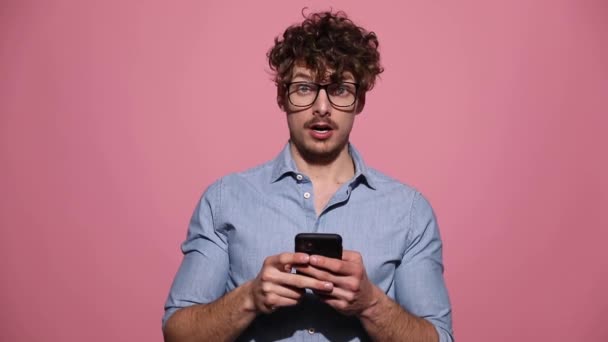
247,298
375,306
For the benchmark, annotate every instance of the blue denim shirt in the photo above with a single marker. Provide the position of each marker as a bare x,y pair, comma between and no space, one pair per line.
243,218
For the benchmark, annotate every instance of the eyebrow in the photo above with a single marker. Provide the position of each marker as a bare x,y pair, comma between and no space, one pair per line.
302,75
348,78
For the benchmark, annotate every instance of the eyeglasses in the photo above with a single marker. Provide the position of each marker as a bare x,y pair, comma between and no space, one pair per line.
304,94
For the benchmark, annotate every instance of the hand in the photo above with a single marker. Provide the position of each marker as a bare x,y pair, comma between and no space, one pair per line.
275,286
352,291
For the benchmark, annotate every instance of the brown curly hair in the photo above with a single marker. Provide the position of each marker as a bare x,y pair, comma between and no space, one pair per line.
325,41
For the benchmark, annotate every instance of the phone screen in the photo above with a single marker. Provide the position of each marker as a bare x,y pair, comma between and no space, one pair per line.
329,245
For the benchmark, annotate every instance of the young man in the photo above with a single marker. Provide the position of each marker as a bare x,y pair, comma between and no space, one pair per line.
237,280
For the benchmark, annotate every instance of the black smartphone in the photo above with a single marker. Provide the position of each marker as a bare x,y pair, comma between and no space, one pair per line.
329,245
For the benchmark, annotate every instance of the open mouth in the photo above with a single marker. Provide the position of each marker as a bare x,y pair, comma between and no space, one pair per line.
321,128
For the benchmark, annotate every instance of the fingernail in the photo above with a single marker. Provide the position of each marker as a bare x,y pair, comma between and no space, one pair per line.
328,285
314,259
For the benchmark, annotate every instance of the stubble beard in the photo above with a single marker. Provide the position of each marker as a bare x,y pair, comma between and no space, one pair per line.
316,154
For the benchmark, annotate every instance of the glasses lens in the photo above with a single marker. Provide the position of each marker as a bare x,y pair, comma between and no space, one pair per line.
342,94
302,94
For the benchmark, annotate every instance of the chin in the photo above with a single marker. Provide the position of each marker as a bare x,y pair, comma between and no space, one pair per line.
320,151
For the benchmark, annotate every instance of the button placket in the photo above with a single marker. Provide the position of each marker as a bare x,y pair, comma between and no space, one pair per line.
305,190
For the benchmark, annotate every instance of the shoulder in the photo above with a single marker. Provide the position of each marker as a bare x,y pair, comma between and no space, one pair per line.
235,181
406,194
253,176
384,183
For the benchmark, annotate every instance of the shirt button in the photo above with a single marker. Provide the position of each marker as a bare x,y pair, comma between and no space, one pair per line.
307,195
311,330
299,177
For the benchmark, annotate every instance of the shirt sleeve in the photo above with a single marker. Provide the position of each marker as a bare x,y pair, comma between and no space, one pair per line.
203,273
419,284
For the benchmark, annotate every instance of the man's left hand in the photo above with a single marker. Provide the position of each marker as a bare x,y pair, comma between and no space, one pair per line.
352,292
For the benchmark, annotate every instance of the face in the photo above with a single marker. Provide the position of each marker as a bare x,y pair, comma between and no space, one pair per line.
319,132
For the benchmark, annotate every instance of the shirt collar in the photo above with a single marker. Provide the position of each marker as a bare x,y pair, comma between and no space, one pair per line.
285,165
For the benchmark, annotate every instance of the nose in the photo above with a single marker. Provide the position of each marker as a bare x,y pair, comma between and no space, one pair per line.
321,106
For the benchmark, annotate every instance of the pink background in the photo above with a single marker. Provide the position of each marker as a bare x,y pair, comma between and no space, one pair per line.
116,115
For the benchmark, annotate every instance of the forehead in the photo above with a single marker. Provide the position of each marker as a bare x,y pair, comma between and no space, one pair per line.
301,72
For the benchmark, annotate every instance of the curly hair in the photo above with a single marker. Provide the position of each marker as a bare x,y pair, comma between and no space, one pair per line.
326,41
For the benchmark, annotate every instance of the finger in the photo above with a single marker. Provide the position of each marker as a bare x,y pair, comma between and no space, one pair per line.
273,301
297,281
340,294
351,282
341,300
281,291
305,282
333,265
338,304
317,273
293,258
285,302
353,256
281,261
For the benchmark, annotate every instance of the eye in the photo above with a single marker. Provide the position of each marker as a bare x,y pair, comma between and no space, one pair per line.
342,89
304,88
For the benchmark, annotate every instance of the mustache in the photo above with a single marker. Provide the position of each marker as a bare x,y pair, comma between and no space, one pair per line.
315,121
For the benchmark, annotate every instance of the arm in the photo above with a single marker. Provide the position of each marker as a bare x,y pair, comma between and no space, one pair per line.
385,320
226,318
222,320
421,309
354,294
198,309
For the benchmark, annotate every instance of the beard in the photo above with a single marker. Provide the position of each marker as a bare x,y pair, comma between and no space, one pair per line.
319,152
316,150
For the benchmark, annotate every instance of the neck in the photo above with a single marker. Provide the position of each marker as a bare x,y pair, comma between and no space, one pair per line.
339,168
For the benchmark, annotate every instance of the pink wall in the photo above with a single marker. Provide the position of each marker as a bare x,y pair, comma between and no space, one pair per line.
114,116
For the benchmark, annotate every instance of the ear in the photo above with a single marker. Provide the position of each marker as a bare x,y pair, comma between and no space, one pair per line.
360,104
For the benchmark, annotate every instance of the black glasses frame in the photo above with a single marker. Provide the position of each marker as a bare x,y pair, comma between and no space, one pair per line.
324,87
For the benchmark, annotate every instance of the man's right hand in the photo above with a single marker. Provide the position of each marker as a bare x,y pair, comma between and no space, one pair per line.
276,286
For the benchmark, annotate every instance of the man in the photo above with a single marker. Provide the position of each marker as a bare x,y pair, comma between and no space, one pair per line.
237,280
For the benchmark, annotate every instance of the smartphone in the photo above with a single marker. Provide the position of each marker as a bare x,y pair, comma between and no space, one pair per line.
329,245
